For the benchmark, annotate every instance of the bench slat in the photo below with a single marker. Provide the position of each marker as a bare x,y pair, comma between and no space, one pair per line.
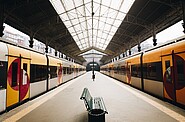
99,104
87,98
92,103
103,106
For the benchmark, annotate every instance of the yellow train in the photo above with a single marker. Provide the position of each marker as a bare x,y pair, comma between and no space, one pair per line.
25,74
159,71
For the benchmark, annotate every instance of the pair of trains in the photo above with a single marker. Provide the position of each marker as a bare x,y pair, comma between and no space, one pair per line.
25,74
159,71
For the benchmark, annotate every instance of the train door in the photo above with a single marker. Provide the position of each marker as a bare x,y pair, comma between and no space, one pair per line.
60,73
168,78
128,72
179,73
24,81
112,70
17,80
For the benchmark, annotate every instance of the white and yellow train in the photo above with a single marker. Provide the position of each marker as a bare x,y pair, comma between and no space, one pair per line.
159,71
25,74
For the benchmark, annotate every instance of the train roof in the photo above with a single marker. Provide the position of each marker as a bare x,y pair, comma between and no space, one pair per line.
6,41
173,41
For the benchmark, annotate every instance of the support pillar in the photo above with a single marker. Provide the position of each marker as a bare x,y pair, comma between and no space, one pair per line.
1,18
46,49
154,37
183,9
31,41
139,47
139,44
119,57
1,30
129,51
55,52
154,41
123,55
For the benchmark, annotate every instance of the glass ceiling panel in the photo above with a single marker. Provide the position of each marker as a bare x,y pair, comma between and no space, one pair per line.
77,17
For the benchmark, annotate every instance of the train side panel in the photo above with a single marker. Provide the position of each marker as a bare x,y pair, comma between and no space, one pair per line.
55,73
152,72
173,58
123,71
120,74
18,79
80,70
111,69
160,71
38,74
180,77
133,65
105,69
67,75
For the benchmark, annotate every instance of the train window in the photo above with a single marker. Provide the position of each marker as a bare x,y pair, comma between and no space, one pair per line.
144,70
139,71
134,70
168,72
122,70
153,71
3,74
115,70
64,70
180,71
24,79
38,73
72,69
109,68
25,66
53,71
14,73
118,69
68,70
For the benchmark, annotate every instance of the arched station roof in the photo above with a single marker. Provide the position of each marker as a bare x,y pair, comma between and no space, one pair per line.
39,19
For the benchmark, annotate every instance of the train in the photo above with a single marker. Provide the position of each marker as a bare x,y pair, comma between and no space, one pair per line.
159,71
26,74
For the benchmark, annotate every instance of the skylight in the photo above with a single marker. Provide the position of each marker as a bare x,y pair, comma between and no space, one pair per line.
92,31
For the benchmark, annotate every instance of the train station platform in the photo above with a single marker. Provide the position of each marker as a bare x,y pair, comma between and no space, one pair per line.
123,103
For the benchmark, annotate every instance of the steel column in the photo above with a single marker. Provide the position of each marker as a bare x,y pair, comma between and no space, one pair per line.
1,17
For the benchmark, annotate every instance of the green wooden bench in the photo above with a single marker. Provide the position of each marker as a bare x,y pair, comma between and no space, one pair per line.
93,103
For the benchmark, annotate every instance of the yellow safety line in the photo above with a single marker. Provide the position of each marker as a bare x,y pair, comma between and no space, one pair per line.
164,109
25,111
